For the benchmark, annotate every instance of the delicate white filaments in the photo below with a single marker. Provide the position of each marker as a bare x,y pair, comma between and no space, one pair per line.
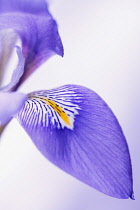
52,107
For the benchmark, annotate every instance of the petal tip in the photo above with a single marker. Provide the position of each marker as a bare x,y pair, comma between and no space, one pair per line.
132,196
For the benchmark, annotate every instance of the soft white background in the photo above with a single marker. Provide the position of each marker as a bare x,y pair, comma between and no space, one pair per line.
102,51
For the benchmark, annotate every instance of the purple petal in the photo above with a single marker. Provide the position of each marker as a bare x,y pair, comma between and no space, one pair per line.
76,130
10,104
36,28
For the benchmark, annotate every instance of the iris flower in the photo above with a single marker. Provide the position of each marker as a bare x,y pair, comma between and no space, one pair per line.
72,126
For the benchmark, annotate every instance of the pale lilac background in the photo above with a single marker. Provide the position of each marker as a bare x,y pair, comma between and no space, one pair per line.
102,51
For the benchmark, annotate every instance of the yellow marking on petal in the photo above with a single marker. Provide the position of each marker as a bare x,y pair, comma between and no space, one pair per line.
55,106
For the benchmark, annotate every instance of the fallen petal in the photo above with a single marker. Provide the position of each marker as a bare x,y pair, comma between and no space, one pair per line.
77,131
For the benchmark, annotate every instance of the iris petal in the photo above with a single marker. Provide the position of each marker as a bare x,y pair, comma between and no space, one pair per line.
37,29
17,73
10,104
7,40
77,131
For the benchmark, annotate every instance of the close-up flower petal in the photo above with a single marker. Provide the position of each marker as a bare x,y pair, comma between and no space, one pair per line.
7,40
10,104
35,27
77,131
17,73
